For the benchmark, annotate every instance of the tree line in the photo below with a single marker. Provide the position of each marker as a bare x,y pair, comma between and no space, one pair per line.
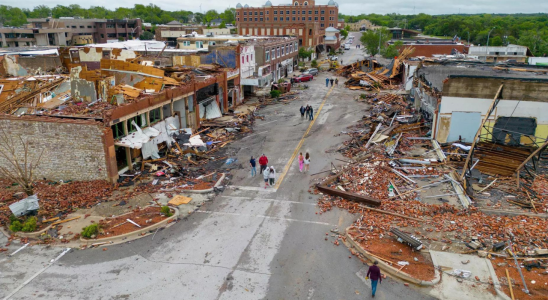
529,30
15,17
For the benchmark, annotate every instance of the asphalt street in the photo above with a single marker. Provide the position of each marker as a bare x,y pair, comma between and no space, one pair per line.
247,243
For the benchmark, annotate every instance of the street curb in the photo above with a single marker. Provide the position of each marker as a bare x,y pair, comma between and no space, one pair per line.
198,191
127,236
496,283
31,235
391,270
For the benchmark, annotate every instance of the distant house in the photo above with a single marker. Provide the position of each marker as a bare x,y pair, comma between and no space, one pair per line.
495,54
216,22
174,24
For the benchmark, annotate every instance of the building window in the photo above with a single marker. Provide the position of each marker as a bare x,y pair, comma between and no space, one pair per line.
278,52
287,49
316,12
309,12
238,13
89,26
291,48
275,18
321,25
305,3
296,3
323,18
73,26
283,52
211,43
293,18
323,12
140,120
304,12
245,19
294,12
309,18
255,13
273,53
315,18
186,43
247,58
287,18
243,59
238,19
267,55
199,45
154,115
275,12
267,18
255,19
287,12
245,13
118,130
267,12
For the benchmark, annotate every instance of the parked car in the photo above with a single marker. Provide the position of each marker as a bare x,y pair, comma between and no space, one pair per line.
334,58
312,71
303,78
346,46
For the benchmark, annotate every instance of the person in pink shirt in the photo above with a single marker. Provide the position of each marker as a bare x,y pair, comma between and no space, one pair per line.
301,162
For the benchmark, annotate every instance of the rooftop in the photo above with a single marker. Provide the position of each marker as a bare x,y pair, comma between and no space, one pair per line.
436,73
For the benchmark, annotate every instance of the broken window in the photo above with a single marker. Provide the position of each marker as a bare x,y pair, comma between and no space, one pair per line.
154,115
514,131
140,120
118,130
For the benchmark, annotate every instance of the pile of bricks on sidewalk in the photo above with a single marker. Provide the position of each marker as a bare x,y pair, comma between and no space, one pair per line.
376,148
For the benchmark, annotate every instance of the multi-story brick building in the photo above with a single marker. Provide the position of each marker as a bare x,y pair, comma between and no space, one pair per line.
303,19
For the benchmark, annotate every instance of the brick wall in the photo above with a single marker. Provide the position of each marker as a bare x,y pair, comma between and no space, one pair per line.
74,150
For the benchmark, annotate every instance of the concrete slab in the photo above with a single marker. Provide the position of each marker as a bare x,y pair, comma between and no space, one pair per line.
449,288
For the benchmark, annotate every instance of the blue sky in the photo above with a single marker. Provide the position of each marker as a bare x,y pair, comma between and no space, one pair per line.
346,6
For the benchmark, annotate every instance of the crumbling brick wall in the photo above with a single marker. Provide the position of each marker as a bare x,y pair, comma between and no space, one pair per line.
74,150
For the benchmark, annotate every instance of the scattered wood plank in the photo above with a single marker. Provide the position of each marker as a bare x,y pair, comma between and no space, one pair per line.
64,221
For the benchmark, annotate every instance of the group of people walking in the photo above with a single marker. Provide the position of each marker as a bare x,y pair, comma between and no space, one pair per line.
328,80
269,173
308,110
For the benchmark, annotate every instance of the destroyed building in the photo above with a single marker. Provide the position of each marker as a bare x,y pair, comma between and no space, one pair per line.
114,109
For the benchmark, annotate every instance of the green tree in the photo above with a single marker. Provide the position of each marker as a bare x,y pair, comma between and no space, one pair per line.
210,15
347,28
228,15
222,25
146,36
375,41
303,53
343,33
393,50
495,41
40,11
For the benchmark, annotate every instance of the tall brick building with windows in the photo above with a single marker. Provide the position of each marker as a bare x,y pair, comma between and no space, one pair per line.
303,19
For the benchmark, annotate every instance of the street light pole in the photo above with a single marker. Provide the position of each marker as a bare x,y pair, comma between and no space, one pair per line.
380,36
489,34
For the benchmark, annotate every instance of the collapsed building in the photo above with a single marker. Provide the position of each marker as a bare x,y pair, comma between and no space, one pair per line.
114,108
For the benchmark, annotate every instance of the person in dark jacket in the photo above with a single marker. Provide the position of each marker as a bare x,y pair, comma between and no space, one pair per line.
331,80
374,273
310,113
302,110
252,163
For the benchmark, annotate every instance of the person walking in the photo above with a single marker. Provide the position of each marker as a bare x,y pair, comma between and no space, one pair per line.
331,81
302,110
341,62
306,162
374,273
301,162
311,113
337,82
272,176
253,168
263,162
327,82
266,175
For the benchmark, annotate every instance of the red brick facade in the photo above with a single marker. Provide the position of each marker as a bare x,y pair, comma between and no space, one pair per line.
303,19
